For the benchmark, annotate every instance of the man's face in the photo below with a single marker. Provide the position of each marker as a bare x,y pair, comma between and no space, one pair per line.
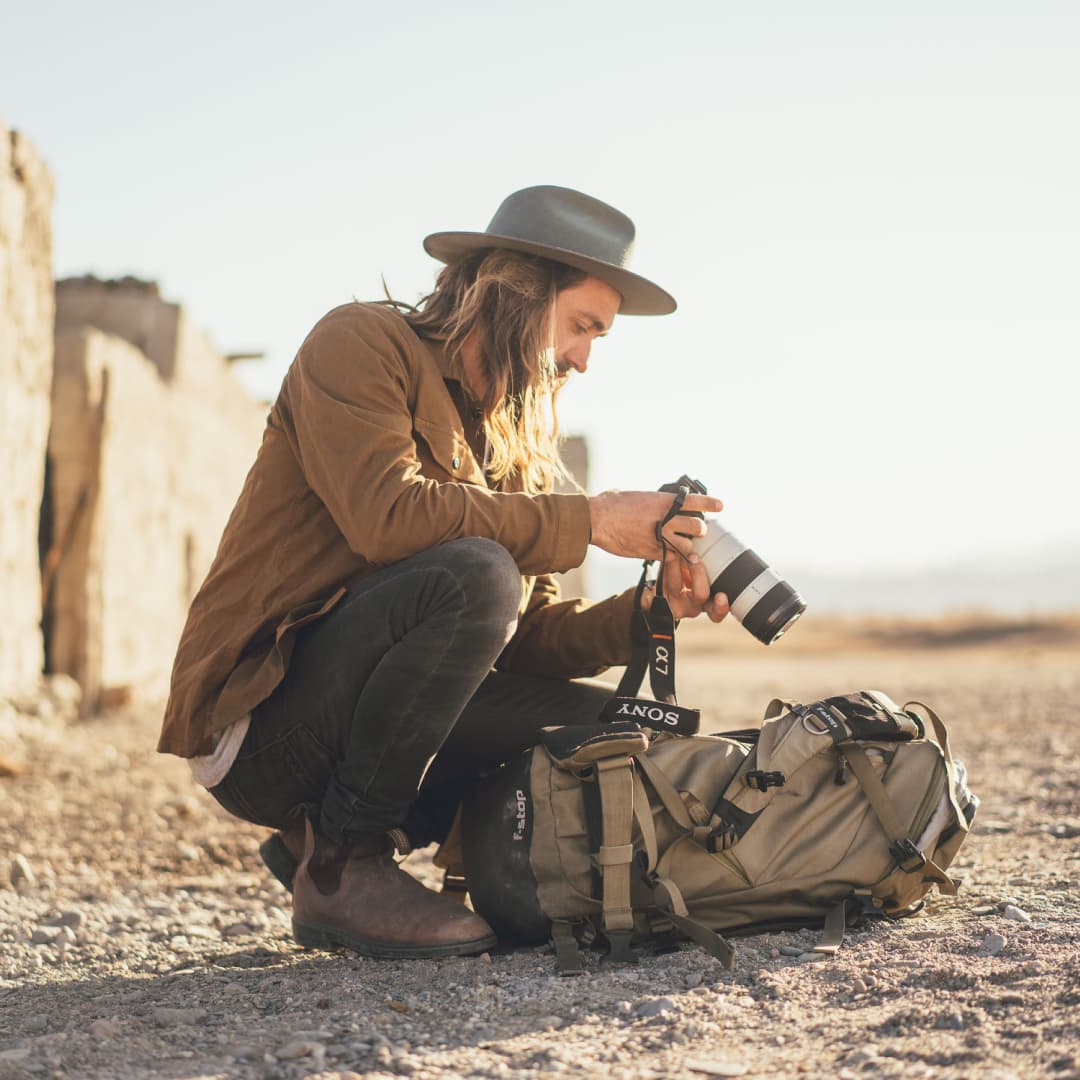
582,313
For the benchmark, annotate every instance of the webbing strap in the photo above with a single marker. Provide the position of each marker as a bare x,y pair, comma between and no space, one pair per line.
644,818
666,790
669,899
832,936
566,948
883,808
616,779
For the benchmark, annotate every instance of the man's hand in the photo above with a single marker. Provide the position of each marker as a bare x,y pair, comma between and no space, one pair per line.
624,522
686,589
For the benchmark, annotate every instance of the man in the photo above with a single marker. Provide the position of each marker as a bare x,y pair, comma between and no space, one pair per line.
381,622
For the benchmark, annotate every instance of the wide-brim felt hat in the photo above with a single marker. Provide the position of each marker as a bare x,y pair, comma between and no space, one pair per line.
566,226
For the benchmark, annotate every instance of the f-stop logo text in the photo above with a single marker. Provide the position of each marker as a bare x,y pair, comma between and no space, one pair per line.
521,814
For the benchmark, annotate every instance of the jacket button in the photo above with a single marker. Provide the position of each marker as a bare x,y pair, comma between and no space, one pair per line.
455,461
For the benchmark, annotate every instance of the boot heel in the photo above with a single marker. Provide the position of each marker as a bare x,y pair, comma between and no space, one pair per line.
312,937
278,860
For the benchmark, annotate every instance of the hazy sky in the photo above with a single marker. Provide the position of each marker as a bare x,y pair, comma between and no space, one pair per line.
868,212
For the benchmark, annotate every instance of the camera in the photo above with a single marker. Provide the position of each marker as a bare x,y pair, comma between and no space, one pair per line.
759,598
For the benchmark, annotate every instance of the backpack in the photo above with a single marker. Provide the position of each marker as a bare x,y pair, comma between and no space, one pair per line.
637,827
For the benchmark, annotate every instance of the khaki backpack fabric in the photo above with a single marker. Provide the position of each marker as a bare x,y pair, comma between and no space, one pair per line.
849,805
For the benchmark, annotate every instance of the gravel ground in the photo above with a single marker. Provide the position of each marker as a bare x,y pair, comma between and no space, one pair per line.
140,936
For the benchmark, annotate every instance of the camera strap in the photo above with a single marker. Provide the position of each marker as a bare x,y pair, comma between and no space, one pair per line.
652,648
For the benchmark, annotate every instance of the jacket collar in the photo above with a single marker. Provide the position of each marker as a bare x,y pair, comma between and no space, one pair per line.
437,351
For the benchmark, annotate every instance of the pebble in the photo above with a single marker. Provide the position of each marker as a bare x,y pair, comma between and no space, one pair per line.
167,1017
862,1056
236,929
45,935
300,1048
993,944
984,909
105,1029
1016,914
719,1068
812,957
656,1007
21,874
545,1023
187,852
791,950
695,978
858,986
36,1025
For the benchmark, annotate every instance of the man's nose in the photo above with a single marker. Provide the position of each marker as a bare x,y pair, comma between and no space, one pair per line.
578,356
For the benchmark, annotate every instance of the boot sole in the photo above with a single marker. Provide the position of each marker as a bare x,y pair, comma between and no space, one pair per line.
278,860
321,937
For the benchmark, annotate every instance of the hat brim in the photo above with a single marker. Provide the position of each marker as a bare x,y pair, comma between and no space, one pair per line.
639,295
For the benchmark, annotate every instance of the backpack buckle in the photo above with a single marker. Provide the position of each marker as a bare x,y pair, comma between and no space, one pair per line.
908,857
762,781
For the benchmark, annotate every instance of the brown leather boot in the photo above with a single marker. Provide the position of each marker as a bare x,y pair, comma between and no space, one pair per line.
358,897
281,853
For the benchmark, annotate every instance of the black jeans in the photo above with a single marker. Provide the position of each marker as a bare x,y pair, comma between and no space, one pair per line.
390,704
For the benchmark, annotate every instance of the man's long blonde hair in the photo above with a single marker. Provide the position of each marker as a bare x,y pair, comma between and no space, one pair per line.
505,302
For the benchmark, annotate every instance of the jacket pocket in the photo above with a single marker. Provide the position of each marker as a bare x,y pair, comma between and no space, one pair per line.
449,451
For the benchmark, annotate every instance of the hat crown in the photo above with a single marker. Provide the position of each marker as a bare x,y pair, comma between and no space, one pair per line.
563,218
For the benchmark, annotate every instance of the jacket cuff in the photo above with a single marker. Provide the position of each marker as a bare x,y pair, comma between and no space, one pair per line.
573,529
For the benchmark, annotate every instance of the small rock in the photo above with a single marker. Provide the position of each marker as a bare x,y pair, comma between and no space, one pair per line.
236,929
812,957
73,918
694,979
547,1023
45,935
993,944
984,909
21,874
862,1056
105,1029
656,1007
300,1048
791,950
949,1021
858,986
774,953
168,1017
1016,914
187,852
36,1025
719,1068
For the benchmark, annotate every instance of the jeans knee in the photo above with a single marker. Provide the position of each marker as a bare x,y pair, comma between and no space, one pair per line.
488,573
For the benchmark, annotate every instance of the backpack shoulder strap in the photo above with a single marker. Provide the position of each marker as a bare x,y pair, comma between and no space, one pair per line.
616,779
901,846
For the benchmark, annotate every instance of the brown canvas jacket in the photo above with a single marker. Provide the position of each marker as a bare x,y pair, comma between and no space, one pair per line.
364,462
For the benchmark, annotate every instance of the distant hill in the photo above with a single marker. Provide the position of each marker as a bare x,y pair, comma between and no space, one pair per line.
1041,580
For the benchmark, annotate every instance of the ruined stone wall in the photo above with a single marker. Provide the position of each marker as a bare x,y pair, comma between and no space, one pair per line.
148,454
26,356
575,455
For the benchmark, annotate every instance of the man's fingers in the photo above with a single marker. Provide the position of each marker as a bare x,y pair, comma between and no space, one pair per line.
718,608
703,504
699,581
